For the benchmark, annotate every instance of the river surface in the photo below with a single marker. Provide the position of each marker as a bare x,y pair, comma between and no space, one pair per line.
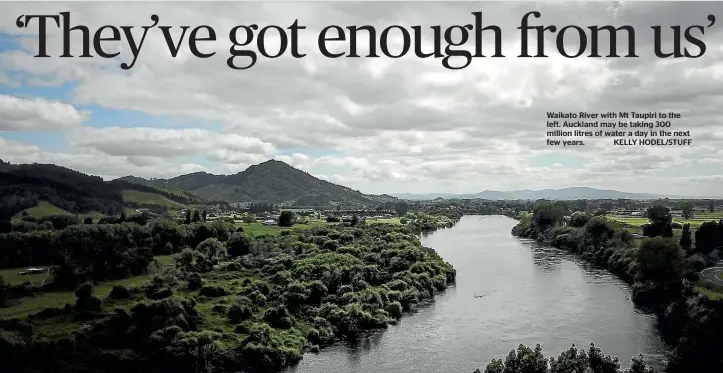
508,291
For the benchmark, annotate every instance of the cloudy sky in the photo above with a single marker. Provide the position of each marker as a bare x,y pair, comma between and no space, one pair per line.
380,125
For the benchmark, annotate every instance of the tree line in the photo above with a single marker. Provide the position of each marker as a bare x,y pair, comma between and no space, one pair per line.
662,270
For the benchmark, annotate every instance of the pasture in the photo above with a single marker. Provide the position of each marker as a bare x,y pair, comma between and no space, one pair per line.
45,208
144,198
698,218
29,305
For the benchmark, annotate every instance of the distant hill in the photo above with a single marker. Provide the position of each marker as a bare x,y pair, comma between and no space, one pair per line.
48,187
272,182
571,193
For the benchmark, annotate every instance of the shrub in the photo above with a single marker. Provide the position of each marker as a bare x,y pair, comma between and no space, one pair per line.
86,301
212,291
238,245
238,313
119,292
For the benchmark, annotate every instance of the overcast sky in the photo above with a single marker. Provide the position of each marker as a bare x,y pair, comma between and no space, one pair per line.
380,125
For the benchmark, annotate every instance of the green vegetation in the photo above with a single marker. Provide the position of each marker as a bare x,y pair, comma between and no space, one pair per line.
696,221
12,276
271,181
58,299
145,198
257,229
528,360
44,189
711,294
43,208
665,278
393,221
250,302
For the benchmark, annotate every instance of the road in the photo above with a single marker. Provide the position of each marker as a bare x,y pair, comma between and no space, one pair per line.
714,274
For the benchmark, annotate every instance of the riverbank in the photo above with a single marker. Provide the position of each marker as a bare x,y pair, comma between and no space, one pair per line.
661,278
552,299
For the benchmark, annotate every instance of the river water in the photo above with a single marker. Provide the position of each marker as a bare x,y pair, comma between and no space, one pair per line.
508,291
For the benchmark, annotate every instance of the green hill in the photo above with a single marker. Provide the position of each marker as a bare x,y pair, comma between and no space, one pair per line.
46,189
271,181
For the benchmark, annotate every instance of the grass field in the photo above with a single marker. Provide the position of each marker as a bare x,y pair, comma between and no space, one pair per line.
31,305
150,199
12,277
45,209
257,229
695,222
393,221
709,293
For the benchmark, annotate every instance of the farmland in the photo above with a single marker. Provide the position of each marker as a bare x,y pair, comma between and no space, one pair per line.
144,198
44,208
30,305
695,222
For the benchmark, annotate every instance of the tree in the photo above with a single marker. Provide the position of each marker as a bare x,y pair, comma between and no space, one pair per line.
88,220
607,205
685,239
188,217
86,301
661,264
660,222
213,249
546,215
248,219
196,216
711,205
687,210
354,220
708,237
401,208
581,204
579,218
122,217
286,219
238,245
203,216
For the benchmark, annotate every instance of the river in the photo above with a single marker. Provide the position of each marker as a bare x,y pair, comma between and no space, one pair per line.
508,291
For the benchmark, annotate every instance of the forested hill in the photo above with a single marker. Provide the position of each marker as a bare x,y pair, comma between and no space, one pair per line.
23,186
271,181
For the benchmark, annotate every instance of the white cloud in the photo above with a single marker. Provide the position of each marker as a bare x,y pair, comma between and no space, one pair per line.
381,124
39,114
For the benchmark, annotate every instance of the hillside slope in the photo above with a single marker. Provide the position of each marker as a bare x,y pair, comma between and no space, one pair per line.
271,181
25,186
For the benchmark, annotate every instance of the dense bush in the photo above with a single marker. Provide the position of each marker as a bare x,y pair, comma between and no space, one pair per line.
277,295
659,274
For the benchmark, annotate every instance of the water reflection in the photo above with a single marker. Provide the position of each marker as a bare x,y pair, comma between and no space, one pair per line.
507,292
546,258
